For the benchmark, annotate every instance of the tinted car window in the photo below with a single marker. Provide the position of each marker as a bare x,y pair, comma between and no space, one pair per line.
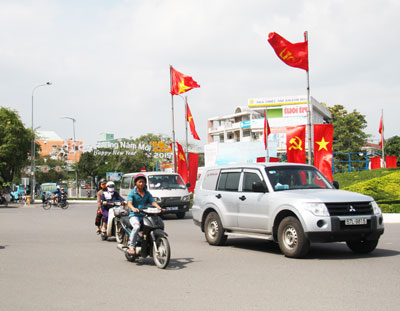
229,181
126,182
248,179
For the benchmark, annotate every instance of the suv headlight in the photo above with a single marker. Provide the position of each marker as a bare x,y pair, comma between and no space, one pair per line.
376,209
317,209
157,199
186,198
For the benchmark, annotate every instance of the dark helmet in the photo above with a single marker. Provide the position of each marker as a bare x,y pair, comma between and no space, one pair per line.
139,176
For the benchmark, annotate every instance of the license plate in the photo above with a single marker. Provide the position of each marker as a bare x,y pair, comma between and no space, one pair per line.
355,221
172,208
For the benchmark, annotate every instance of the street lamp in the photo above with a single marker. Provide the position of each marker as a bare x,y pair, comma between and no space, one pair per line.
33,147
76,172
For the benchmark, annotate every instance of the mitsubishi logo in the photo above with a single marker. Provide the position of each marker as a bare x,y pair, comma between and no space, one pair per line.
351,209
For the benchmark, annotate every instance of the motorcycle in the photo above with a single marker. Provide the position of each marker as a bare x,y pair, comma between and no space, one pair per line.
113,226
62,202
152,239
3,199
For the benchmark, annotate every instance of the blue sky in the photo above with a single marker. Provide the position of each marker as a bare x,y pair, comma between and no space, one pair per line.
109,60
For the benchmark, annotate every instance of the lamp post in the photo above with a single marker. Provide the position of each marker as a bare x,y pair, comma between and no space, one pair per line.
33,147
76,172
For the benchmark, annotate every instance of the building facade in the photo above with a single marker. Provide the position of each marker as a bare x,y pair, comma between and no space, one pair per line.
57,148
246,126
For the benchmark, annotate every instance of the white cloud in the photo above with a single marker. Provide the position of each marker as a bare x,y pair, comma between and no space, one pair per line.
109,60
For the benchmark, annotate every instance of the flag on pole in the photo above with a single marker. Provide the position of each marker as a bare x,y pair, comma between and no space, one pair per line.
267,129
182,163
292,54
323,152
189,118
181,83
295,144
381,129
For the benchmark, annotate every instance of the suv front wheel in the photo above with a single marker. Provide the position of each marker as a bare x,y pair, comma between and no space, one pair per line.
213,230
291,238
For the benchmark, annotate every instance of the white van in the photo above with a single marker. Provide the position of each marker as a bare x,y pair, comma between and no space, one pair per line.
168,189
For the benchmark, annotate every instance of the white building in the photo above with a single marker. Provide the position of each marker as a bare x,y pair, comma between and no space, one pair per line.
246,124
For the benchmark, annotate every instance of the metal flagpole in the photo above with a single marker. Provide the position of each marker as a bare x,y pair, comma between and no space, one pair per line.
173,121
186,127
173,134
309,113
266,133
383,143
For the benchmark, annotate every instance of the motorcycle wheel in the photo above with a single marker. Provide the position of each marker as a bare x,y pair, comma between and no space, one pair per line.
162,256
46,205
119,232
64,205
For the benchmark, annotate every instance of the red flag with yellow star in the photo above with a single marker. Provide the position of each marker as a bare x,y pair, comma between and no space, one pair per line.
296,144
292,54
323,139
181,83
189,118
182,163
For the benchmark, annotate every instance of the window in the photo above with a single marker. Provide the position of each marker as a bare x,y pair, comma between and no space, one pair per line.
210,179
229,181
248,179
296,177
126,181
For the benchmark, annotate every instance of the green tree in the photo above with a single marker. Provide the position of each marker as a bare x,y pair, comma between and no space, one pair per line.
348,133
51,175
392,147
89,165
15,144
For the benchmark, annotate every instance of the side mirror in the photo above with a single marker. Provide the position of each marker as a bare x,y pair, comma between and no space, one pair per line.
335,183
188,185
258,186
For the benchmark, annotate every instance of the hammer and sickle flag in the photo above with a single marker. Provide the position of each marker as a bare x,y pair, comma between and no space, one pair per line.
181,83
295,144
292,54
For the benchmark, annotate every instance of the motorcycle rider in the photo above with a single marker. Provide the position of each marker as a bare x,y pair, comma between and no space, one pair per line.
137,199
103,187
107,199
57,195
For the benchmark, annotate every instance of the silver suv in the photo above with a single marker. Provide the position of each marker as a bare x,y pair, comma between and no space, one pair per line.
291,204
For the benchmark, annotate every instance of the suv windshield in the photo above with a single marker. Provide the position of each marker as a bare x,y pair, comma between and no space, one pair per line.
296,177
166,182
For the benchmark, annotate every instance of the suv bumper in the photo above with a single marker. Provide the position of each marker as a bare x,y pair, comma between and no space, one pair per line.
340,232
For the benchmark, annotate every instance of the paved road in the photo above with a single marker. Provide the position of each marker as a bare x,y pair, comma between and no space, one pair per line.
53,260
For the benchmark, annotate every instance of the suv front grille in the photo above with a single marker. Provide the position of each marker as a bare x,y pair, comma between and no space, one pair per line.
171,199
349,209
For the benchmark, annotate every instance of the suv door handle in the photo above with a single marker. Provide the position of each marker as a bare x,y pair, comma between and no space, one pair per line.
218,196
242,198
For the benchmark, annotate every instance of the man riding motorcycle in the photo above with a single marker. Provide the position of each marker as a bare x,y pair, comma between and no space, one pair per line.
103,187
107,201
137,199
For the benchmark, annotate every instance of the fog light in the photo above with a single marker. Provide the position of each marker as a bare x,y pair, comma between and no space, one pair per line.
321,223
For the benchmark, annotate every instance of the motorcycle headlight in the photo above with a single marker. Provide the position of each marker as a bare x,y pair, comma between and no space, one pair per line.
375,207
317,209
157,199
186,198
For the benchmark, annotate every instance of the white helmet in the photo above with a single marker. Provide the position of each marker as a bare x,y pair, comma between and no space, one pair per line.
110,184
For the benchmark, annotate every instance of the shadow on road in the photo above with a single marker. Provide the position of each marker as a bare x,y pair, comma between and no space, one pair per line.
2,247
179,263
320,251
